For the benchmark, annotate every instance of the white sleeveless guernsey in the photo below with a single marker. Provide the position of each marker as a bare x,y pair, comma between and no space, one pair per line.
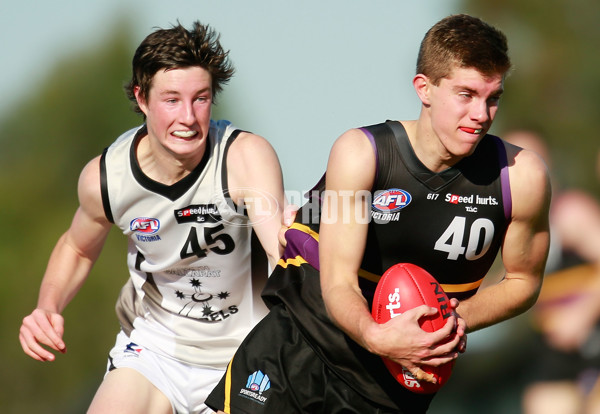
191,295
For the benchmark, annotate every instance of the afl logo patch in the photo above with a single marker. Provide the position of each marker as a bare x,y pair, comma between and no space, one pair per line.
391,200
144,225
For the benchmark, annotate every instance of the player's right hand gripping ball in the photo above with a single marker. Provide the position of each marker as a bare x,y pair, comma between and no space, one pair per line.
402,287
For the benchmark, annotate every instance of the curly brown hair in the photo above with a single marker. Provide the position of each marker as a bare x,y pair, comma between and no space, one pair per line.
462,41
178,47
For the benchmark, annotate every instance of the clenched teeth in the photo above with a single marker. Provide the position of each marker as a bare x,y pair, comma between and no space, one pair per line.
184,134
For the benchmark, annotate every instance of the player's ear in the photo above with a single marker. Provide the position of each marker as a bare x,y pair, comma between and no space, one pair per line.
141,100
422,84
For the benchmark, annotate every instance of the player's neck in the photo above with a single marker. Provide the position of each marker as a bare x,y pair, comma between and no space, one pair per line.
428,147
163,166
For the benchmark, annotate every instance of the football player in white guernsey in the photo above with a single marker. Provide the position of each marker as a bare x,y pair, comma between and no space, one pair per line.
188,192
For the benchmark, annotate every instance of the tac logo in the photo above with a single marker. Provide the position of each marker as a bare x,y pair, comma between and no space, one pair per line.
144,225
256,384
391,200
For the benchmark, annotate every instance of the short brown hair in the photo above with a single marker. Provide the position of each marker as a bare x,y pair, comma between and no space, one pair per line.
179,48
462,41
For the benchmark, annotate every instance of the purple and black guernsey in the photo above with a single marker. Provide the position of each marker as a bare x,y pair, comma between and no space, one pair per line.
451,223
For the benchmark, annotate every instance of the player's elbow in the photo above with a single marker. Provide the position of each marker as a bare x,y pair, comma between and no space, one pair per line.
530,301
529,297
523,293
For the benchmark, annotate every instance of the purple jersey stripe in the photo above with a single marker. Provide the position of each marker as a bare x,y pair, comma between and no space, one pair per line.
301,244
504,179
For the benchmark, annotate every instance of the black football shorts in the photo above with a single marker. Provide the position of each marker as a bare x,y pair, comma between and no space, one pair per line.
276,371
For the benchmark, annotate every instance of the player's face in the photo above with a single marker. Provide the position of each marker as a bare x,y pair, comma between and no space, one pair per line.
178,110
463,107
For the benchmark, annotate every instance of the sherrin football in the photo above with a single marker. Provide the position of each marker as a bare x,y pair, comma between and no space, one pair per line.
402,287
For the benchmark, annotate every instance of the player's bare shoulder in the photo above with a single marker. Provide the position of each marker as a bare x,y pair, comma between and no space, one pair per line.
353,142
252,160
529,180
89,190
352,156
248,144
250,153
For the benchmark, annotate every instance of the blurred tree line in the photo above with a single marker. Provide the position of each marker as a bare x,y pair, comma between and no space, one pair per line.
552,90
46,139
554,85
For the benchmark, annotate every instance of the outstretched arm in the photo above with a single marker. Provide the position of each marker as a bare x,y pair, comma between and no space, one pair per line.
68,267
255,179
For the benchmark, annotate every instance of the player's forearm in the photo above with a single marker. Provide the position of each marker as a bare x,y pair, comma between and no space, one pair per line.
348,309
64,276
267,232
507,299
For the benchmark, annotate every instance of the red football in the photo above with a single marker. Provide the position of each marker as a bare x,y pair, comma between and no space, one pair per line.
402,287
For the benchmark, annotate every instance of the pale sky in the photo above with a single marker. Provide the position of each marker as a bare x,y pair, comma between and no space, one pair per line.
307,70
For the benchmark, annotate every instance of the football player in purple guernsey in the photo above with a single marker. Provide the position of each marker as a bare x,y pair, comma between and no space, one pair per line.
438,192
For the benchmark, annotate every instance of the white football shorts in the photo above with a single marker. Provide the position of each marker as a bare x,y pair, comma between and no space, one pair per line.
185,385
